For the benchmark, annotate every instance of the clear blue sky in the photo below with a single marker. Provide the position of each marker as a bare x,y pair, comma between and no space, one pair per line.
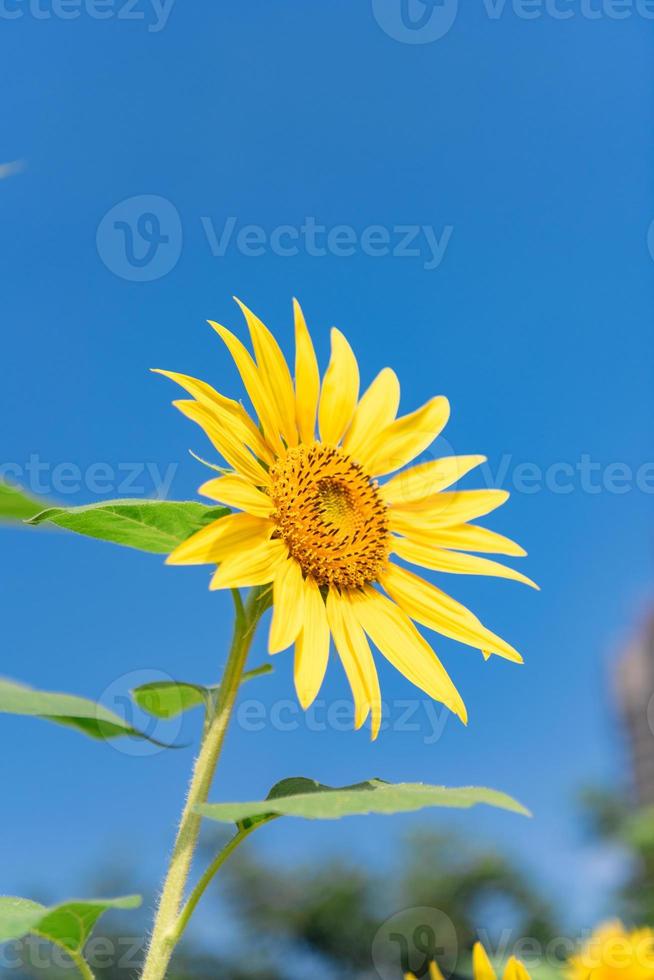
532,141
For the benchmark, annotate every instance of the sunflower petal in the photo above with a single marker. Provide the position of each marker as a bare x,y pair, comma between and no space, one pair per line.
225,440
377,409
288,606
234,491
274,372
444,509
340,390
311,646
395,636
252,566
427,479
481,965
439,612
434,971
240,421
307,378
360,647
403,440
515,970
257,391
213,543
454,562
471,537
349,659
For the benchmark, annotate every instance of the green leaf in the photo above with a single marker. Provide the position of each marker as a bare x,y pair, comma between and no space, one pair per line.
167,699
149,525
86,716
16,505
300,797
68,925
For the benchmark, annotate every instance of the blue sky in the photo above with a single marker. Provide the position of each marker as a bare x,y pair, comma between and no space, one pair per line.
517,154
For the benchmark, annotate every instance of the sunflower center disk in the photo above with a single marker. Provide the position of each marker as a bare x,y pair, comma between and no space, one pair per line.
330,515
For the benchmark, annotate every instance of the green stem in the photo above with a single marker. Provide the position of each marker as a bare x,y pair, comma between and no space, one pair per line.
164,933
74,955
81,964
205,880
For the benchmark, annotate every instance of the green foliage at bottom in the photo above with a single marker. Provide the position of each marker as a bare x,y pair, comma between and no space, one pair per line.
69,925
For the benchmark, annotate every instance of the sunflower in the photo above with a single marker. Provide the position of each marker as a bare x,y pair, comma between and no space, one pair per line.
482,968
613,953
315,523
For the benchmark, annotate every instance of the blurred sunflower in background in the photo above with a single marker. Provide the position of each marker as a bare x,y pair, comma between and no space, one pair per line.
614,953
316,524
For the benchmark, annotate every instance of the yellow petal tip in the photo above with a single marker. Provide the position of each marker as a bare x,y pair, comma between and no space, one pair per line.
245,310
218,327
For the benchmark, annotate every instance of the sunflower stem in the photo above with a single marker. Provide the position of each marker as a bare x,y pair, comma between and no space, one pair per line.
164,933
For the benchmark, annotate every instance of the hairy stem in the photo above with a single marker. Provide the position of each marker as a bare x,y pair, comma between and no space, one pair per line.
164,933
205,880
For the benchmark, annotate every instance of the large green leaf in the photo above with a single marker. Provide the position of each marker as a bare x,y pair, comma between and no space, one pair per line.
16,505
68,925
167,699
300,797
66,709
150,525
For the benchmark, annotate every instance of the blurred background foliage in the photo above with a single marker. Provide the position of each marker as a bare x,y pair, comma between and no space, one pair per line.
321,922
282,924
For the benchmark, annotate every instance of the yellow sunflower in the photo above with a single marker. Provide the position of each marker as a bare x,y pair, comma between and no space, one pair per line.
482,968
317,525
613,953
